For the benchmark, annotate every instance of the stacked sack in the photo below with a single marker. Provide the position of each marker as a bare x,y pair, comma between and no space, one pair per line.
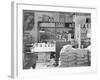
67,56
70,57
67,60
82,58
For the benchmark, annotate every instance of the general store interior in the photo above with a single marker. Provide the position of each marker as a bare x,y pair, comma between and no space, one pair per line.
56,39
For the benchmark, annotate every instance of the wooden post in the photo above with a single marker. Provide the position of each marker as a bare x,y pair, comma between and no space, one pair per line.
79,36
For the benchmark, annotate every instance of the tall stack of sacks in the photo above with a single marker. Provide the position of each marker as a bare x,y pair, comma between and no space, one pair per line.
67,56
89,54
70,57
82,57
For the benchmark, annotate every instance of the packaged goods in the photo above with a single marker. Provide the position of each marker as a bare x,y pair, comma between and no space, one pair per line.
74,58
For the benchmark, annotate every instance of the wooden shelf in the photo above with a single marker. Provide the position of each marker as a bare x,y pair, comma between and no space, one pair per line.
47,27
55,28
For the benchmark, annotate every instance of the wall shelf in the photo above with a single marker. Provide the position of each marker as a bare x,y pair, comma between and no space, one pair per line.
52,32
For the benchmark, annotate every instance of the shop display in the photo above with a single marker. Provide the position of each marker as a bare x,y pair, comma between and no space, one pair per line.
56,30
45,38
44,47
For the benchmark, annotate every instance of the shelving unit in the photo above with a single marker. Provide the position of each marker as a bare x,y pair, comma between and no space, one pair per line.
55,31
58,32
85,40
